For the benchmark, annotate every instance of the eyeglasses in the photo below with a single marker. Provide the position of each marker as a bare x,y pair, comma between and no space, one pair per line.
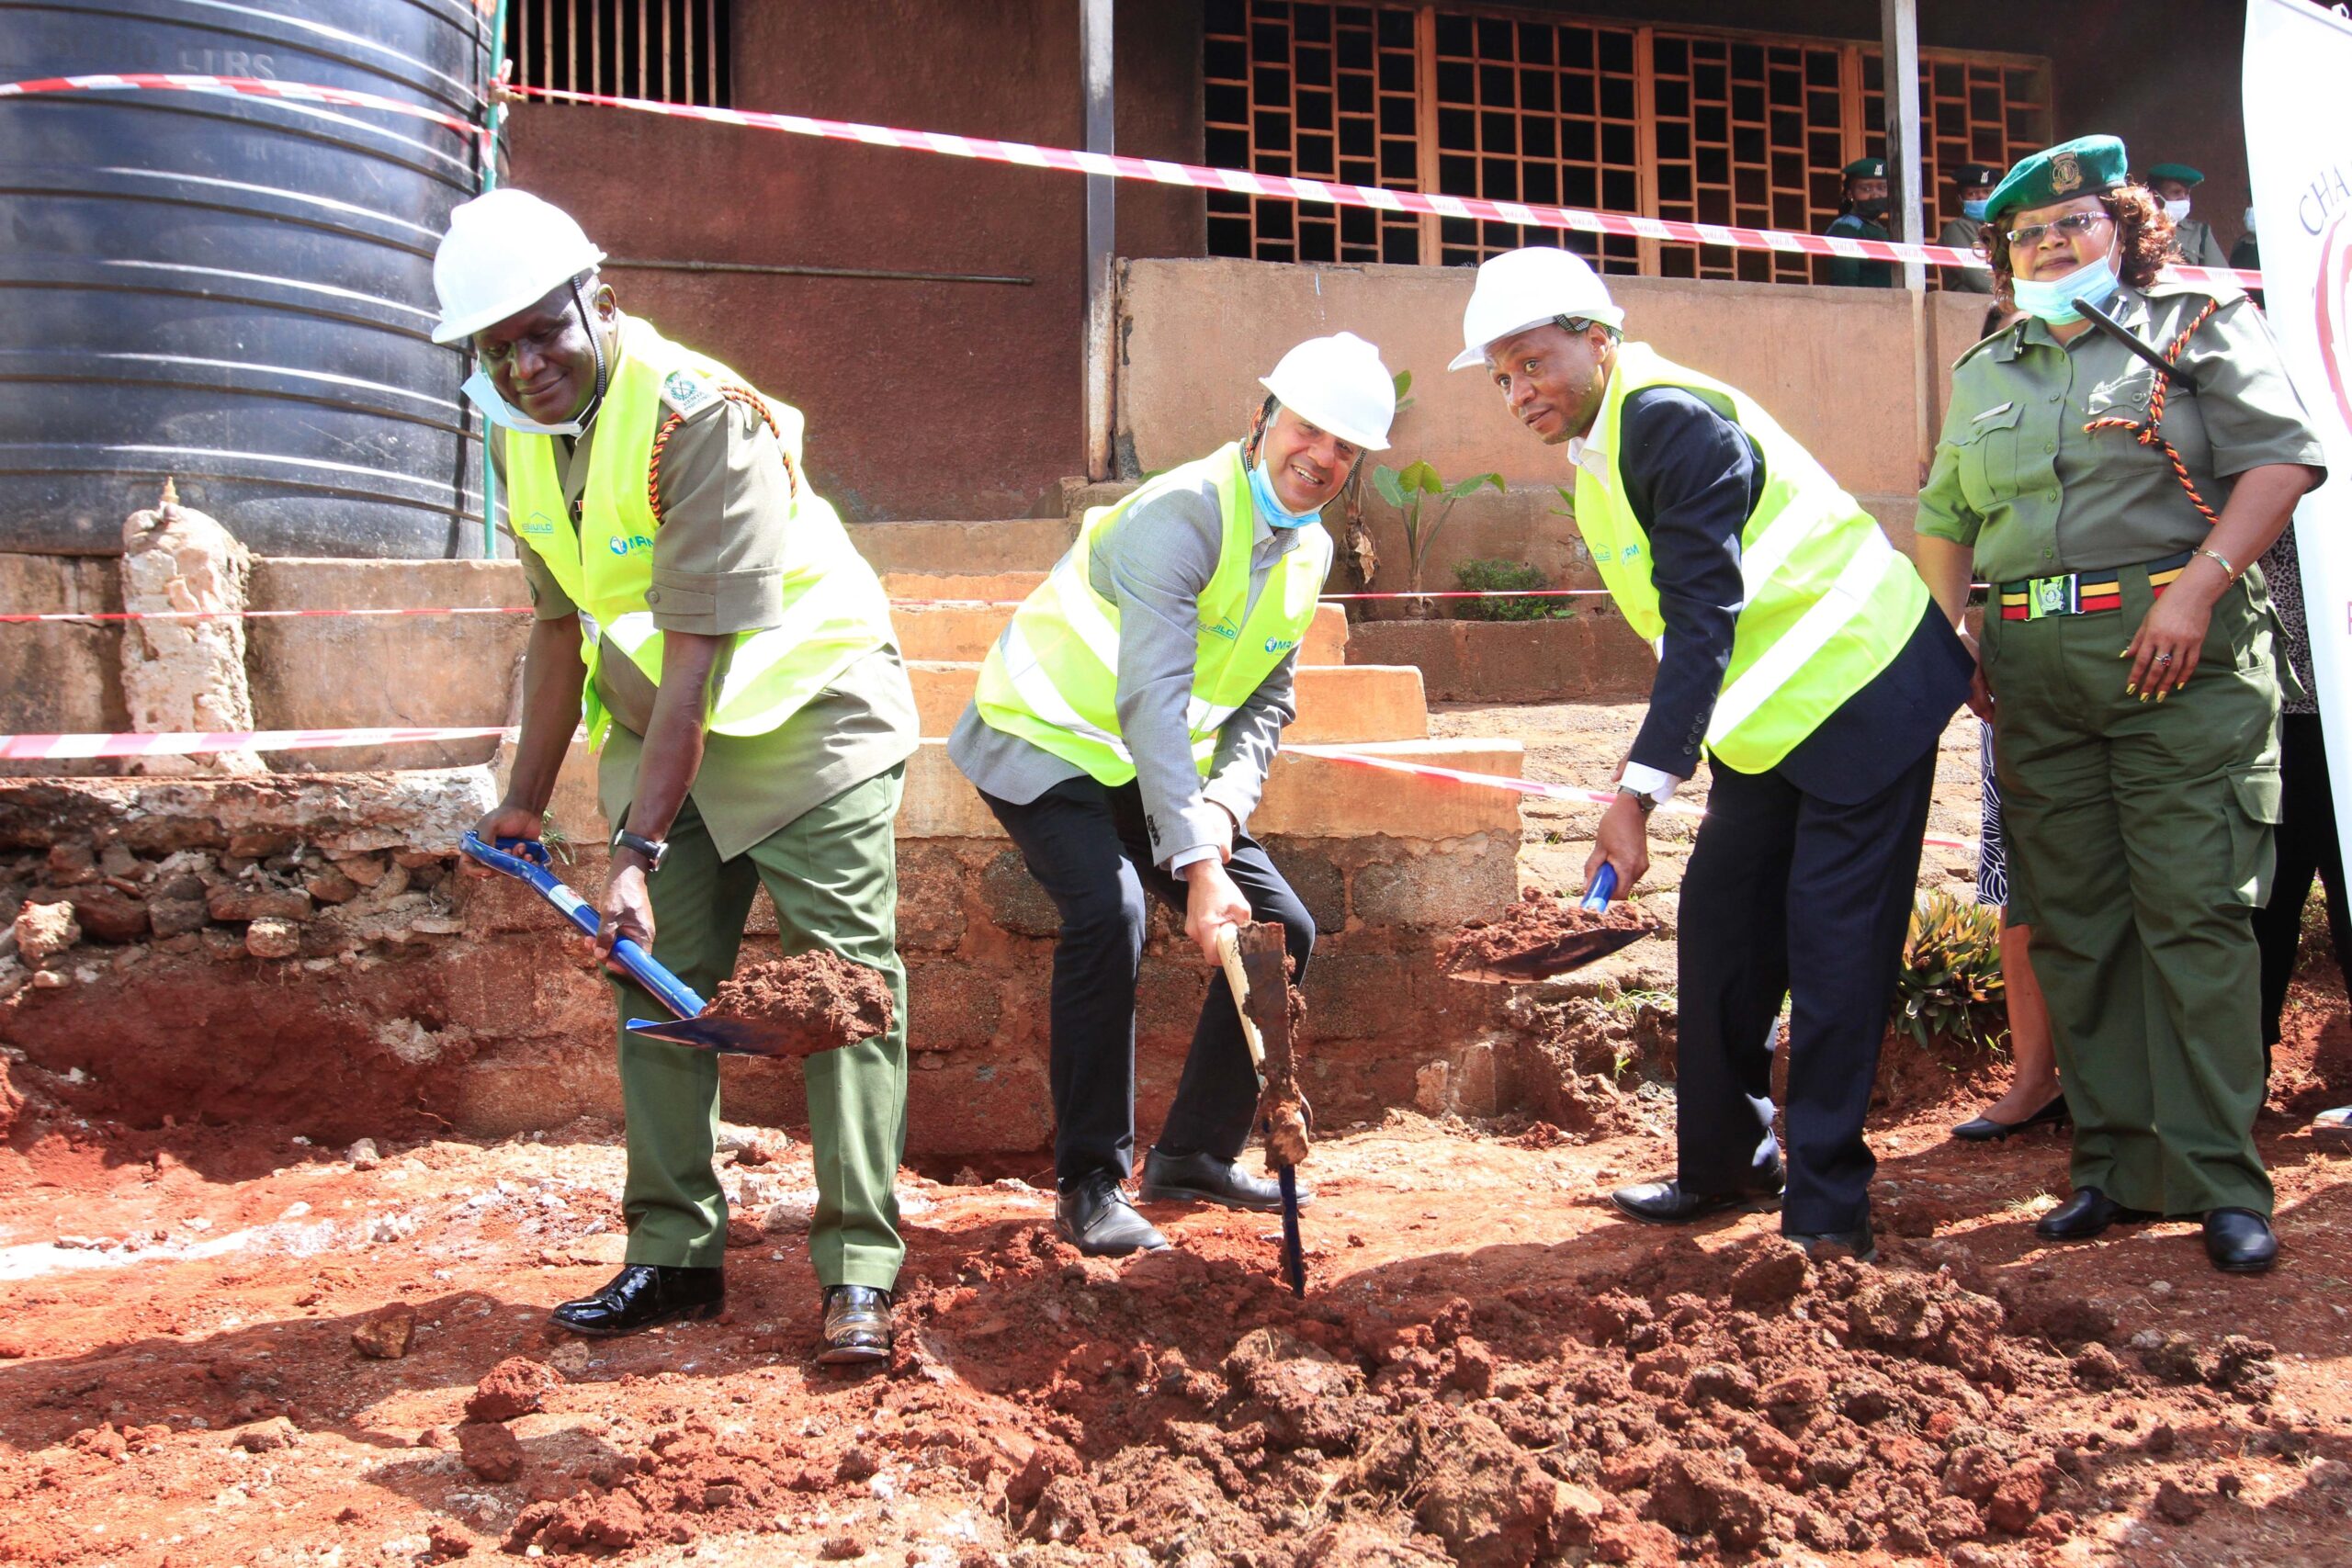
2074,225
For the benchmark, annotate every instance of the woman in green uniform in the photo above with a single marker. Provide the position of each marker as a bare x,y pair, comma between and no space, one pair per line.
2127,667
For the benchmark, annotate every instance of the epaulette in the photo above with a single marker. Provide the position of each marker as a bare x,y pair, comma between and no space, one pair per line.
1987,341
689,394
2168,284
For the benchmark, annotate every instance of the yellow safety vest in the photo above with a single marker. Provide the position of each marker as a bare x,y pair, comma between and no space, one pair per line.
1052,676
1829,600
834,609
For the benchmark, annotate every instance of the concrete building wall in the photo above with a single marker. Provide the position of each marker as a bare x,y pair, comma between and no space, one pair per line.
924,399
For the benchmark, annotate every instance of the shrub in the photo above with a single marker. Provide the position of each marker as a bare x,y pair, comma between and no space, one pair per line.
1502,576
1949,985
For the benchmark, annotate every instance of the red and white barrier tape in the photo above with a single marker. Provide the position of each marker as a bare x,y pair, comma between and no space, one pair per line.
63,747
298,93
1535,787
1115,166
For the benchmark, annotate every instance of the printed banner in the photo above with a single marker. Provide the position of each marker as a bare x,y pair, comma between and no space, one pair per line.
2299,149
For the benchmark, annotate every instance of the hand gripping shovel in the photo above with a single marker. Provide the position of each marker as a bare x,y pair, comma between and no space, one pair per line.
1256,959
525,859
1571,952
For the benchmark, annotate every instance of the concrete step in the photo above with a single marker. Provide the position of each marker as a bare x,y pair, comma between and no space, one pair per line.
1019,544
1338,703
966,631
1307,796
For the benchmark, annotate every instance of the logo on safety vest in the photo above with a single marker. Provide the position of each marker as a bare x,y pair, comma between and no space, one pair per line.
621,546
1225,628
538,523
1281,644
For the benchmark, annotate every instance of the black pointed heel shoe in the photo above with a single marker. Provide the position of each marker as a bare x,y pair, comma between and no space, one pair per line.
1984,1130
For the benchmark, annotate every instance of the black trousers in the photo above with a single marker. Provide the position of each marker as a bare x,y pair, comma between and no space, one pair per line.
1086,844
2307,848
1791,895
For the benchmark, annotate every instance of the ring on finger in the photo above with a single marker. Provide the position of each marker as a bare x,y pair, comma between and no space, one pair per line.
2163,659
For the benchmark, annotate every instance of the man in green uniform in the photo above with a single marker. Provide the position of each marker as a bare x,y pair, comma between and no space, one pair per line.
740,674
1864,217
2192,238
1973,183
2140,836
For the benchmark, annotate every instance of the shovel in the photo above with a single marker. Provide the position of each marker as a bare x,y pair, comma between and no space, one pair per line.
1256,965
1571,952
525,859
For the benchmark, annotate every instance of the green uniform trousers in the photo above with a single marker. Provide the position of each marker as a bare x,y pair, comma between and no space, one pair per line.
832,872
2140,846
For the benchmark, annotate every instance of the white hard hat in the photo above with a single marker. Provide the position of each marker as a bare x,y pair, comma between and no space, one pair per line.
1338,383
505,251
1525,289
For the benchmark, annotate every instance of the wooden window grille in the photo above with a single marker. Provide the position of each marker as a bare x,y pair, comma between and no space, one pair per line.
1682,123
668,50
1321,92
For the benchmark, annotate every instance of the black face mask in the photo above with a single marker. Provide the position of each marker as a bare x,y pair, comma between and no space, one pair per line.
1876,212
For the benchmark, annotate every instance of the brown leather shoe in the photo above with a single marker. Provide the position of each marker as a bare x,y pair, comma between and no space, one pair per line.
858,1325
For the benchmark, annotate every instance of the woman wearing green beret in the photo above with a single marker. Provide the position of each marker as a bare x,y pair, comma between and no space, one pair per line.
2127,670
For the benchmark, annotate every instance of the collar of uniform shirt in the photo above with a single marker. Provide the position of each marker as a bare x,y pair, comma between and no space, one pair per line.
1587,451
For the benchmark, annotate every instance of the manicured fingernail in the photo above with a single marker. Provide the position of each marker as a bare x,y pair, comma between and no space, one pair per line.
2129,690
2163,694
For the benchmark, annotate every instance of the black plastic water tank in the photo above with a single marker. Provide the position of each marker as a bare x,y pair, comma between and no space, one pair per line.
234,291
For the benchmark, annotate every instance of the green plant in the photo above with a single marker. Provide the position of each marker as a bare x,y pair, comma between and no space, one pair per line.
1409,491
1501,577
1949,985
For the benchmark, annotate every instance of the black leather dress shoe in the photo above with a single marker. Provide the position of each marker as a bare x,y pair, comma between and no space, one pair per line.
2239,1241
1093,1216
858,1325
1822,1246
1984,1130
2087,1215
1204,1179
1666,1202
641,1295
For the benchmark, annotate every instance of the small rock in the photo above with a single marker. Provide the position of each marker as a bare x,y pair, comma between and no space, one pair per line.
116,860
331,887
742,1232
517,1386
43,930
174,917
49,980
2177,1503
107,914
278,1432
363,1155
841,1549
446,1539
386,1334
490,1450
269,937
789,1217
72,865
1776,1275
365,870
234,901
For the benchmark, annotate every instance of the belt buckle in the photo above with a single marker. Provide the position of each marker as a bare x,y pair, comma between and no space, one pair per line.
2046,596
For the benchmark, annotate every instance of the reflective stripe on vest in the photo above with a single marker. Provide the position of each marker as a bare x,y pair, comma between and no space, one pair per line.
1051,677
833,609
1828,602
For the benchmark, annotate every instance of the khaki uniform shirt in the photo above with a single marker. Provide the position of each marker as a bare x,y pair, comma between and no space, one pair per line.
717,568
2193,242
2016,476
1961,234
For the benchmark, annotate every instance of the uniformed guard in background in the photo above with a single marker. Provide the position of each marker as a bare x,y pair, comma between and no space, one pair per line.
740,675
2192,238
1863,216
1972,185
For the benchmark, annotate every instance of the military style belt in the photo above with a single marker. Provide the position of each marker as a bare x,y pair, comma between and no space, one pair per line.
2083,592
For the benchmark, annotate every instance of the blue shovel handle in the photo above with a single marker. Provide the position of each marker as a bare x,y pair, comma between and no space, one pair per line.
525,859
1603,888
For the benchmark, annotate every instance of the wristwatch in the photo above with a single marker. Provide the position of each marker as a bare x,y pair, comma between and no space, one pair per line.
652,849
1648,803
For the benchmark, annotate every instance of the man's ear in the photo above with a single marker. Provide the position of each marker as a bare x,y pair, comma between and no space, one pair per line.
608,308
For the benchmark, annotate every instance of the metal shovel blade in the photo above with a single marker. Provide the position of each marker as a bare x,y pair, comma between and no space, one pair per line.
1558,958
715,1031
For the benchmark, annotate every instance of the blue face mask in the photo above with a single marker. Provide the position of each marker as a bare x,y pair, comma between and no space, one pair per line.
2055,301
1974,211
1262,490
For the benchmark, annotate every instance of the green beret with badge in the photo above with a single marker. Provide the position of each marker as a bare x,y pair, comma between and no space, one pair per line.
2088,165
2180,172
1967,174
1866,169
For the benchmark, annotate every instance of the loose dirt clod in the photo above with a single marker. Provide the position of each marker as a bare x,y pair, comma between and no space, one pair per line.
1537,921
517,1386
817,1000
384,1334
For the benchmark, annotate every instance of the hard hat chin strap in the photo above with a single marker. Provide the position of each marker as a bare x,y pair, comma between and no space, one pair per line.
597,347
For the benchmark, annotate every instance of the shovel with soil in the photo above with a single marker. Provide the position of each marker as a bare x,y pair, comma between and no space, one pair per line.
1543,937
1257,965
789,1006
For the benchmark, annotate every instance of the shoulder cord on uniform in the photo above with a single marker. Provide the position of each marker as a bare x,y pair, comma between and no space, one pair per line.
2150,431
743,394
